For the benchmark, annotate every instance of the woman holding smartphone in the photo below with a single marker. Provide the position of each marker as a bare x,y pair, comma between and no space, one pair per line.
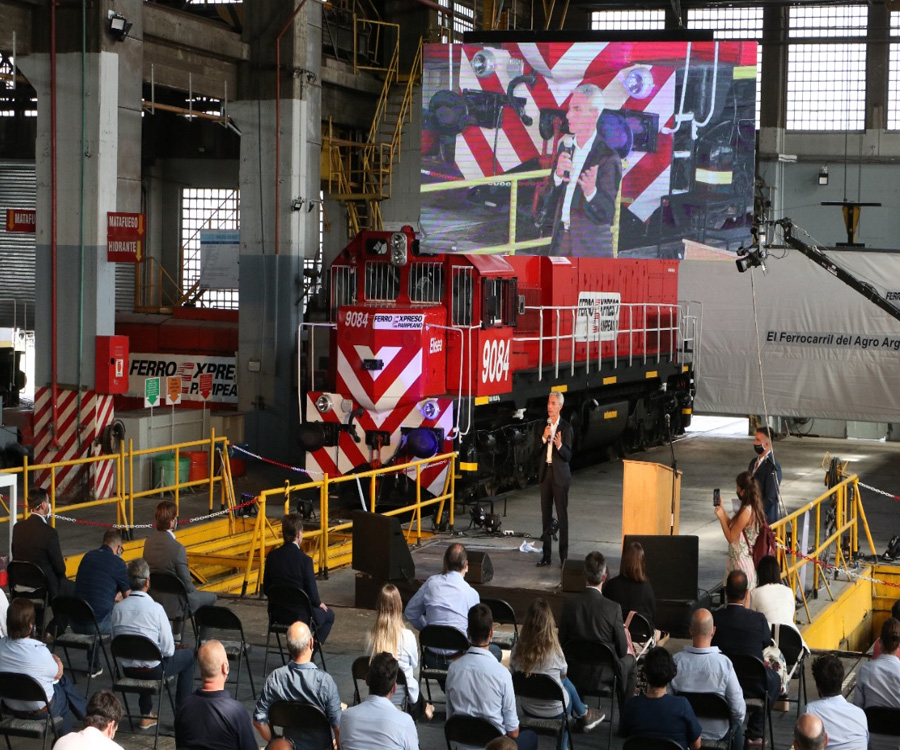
742,528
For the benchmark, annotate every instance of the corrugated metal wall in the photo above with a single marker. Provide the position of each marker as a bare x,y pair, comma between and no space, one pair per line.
18,189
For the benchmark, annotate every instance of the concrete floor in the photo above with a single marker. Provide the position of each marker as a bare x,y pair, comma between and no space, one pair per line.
708,459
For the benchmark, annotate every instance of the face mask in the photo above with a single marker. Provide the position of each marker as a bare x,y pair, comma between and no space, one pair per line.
759,449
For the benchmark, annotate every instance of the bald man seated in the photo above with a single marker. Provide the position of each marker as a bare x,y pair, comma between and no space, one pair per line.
809,733
210,718
703,668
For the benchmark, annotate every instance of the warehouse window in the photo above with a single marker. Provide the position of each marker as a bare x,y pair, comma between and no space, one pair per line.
628,20
201,209
733,23
893,115
826,77
463,20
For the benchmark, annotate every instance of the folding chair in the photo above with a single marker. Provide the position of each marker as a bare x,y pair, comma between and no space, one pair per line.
503,614
795,651
72,608
592,655
649,742
23,687
171,585
445,638
542,687
883,720
713,706
751,674
139,648
469,730
302,720
212,620
294,599
28,580
641,632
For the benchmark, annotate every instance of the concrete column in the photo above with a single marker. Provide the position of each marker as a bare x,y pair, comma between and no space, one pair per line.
271,277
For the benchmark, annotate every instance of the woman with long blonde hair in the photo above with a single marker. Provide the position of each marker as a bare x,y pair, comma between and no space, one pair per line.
743,527
538,652
391,635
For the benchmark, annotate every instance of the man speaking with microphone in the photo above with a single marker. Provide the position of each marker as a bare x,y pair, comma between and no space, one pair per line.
554,454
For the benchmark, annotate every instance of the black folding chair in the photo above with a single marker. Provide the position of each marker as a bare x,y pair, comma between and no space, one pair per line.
789,640
212,620
302,720
293,599
593,657
641,632
751,674
445,638
139,648
23,687
542,687
503,613
171,585
360,669
711,706
469,730
883,720
71,608
649,742
28,580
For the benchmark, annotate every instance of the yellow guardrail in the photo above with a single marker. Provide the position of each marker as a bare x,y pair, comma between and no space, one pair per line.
837,535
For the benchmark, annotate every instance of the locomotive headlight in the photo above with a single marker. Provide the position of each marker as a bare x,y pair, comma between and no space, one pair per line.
483,63
399,249
324,404
429,409
638,81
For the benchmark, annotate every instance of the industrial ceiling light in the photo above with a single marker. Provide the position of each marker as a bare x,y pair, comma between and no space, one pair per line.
119,26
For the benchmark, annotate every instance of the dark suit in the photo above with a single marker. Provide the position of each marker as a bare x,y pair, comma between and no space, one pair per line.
165,554
768,476
36,541
589,232
742,631
590,616
288,565
555,479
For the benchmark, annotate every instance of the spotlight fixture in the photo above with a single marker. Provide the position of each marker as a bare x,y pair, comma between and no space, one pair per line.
823,176
119,26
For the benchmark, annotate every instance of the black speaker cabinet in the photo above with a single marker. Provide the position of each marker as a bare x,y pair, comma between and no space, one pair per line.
573,576
379,547
481,569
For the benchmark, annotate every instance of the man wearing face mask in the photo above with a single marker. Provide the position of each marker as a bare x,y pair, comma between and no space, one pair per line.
767,472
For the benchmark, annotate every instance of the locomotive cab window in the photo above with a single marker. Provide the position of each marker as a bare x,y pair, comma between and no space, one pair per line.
499,302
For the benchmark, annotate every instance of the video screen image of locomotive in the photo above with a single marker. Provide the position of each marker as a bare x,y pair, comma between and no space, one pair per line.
661,134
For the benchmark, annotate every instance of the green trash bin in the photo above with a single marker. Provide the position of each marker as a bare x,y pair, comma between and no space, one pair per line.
164,469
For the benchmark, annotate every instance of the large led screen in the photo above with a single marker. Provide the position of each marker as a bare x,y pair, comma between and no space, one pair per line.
588,149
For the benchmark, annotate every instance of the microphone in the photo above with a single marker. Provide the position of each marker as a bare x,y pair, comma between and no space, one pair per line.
549,422
568,147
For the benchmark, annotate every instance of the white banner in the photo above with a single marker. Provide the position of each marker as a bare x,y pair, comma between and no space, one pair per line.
189,369
219,258
598,316
826,350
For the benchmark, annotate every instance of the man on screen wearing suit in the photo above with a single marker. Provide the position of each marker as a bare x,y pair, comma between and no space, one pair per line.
554,475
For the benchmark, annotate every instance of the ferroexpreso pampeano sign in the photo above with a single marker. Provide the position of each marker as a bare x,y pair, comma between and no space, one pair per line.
189,369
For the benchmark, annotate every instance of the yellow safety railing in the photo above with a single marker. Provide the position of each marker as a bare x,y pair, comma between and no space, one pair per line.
827,535
320,538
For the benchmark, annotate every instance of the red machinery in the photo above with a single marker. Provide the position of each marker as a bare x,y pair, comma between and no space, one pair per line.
431,354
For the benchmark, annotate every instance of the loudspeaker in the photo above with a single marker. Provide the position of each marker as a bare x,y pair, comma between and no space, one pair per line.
481,569
379,547
573,576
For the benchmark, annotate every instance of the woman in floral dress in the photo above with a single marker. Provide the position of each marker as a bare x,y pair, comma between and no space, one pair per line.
742,528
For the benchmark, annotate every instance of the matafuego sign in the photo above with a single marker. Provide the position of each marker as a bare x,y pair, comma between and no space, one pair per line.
193,372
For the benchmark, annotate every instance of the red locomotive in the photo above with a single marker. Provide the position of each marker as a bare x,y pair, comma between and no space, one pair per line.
429,354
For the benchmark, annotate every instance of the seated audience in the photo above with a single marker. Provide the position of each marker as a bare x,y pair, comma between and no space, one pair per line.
165,554
895,613
22,654
478,685
878,682
376,722
538,652
36,541
300,680
101,581
809,733
740,630
772,598
141,615
104,712
590,616
703,668
289,565
389,635
211,719
630,589
501,743
845,723
656,712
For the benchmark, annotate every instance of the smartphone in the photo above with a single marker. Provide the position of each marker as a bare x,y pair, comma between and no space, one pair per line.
717,498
